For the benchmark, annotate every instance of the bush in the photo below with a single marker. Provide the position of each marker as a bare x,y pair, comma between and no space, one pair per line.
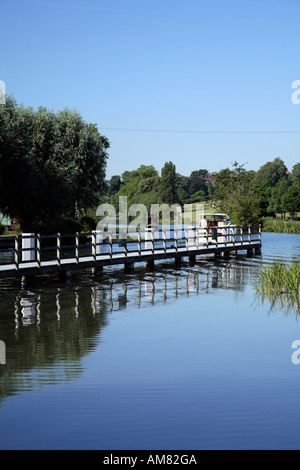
88,223
62,225
2,229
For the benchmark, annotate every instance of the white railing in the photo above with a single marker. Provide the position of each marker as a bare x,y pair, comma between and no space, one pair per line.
38,249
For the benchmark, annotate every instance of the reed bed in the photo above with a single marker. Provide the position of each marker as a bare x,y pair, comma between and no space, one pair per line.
281,226
280,283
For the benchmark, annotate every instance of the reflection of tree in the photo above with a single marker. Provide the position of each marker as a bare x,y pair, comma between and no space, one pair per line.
47,326
48,330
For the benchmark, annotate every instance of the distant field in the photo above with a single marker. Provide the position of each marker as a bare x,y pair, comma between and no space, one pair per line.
208,208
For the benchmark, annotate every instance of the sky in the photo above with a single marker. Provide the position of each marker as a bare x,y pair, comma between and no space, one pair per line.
200,83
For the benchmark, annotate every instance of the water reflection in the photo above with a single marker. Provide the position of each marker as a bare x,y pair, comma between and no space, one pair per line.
286,303
49,327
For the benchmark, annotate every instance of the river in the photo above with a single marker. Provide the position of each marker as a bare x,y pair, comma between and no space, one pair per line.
187,358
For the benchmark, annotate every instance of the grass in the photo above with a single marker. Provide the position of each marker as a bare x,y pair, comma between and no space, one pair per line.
281,226
280,284
280,278
9,233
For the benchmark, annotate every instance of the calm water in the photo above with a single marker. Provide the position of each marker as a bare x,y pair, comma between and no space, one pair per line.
174,359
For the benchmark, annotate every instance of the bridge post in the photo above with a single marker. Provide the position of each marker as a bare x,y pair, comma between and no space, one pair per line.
17,253
259,233
192,260
64,275
150,264
77,249
177,261
58,249
164,240
128,268
38,250
27,280
97,270
28,247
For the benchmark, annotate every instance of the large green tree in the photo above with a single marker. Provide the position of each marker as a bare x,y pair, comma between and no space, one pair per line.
198,182
266,178
236,195
169,184
140,186
296,174
276,205
291,200
50,164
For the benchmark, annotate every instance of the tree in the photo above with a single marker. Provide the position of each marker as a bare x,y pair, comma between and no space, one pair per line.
271,172
267,177
296,174
169,184
236,196
48,163
276,201
16,162
114,185
198,182
88,151
291,200
184,184
140,186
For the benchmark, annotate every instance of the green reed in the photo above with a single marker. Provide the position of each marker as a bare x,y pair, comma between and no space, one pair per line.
280,284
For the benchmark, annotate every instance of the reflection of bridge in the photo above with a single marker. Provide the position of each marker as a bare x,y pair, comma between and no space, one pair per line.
38,254
50,329
137,292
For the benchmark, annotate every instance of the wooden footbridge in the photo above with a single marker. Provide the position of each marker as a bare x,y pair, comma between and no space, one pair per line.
34,254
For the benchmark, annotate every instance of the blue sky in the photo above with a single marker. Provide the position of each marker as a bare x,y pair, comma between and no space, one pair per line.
200,83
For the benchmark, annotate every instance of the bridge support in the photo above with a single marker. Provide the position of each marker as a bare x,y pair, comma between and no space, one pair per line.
27,280
258,251
192,260
64,275
128,268
225,254
97,270
178,262
249,252
150,264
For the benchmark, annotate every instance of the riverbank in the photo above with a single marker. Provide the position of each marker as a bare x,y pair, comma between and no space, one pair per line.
270,224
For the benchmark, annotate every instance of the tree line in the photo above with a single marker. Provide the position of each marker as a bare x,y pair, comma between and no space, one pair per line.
246,195
53,176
